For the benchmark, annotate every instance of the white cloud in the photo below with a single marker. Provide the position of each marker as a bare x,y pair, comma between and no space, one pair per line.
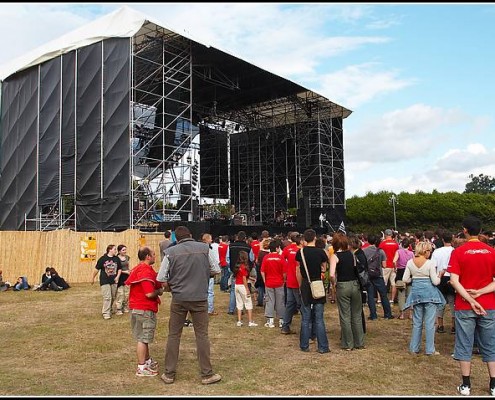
475,156
359,84
449,173
401,134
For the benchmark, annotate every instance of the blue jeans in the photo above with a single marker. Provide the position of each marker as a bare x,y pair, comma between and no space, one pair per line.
470,326
261,295
232,306
211,295
320,330
378,284
423,314
224,280
293,303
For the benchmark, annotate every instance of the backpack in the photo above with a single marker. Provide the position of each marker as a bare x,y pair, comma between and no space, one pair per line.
374,265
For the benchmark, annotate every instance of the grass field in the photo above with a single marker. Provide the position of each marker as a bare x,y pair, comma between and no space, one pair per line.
57,344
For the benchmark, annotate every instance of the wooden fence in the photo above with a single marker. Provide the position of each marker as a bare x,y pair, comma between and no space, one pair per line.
29,253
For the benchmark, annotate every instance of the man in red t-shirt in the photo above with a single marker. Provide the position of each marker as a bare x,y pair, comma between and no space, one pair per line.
293,299
223,251
255,245
143,303
472,270
274,273
389,246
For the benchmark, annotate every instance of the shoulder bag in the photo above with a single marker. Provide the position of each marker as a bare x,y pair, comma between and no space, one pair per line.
317,287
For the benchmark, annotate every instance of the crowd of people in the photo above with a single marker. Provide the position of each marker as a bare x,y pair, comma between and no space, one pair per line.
421,273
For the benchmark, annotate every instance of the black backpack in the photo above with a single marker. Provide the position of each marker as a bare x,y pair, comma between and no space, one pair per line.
374,265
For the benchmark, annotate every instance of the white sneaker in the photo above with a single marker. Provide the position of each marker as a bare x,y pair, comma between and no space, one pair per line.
492,391
464,390
280,323
268,325
119,312
239,323
252,323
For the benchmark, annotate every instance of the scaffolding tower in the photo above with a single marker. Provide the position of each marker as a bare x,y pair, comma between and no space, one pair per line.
161,129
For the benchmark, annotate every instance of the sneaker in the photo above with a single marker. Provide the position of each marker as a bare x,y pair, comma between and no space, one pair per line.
239,323
146,372
107,317
211,379
440,329
268,325
280,323
285,331
166,379
188,322
119,312
464,390
252,323
152,364
436,353
492,391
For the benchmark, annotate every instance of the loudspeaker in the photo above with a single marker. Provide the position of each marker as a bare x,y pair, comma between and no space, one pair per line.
304,214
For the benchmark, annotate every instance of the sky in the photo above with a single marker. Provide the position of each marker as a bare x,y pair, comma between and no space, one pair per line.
419,78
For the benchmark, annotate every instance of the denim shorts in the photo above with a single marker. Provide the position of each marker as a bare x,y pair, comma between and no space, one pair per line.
143,325
466,322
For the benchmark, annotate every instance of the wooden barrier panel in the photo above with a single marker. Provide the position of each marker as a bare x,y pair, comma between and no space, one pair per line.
29,253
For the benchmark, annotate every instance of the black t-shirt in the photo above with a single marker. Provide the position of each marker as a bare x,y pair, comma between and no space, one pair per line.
345,270
314,258
108,267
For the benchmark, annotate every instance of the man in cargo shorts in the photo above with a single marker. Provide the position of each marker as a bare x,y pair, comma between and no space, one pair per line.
143,302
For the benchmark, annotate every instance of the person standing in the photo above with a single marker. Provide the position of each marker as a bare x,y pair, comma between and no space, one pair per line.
274,273
441,255
242,293
349,301
401,257
316,260
425,297
165,243
293,298
122,301
144,292
235,247
185,271
375,254
110,268
206,238
472,269
389,246
223,254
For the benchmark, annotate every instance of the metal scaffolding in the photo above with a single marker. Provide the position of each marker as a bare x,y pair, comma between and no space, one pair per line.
161,130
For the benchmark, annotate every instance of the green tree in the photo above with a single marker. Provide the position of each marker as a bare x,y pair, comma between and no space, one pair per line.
480,184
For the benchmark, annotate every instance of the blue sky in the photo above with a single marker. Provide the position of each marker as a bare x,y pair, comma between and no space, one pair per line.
419,78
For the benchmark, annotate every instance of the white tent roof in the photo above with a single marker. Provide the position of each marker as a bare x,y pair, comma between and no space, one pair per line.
124,22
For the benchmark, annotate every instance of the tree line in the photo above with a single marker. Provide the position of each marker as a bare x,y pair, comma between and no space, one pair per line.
423,211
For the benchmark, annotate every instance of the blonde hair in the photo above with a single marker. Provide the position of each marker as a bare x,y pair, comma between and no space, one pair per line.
421,248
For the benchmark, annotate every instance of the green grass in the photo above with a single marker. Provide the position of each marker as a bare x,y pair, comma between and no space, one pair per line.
57,344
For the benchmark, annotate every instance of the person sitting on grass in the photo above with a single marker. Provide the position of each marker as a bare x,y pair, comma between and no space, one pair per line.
47,282
58,280
21,284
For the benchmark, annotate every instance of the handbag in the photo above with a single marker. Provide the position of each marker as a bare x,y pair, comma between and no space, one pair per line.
363,277
317,287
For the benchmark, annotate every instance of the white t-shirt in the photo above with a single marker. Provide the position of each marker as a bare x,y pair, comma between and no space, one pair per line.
442,258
